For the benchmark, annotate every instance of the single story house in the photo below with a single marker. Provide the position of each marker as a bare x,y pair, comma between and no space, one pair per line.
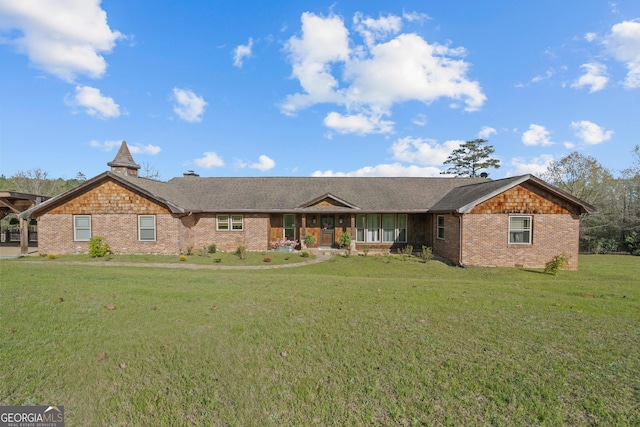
517,221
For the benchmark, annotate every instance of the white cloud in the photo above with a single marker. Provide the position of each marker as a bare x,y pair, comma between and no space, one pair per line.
595,77
368,79
264,164
547,75
65,38
190,106
133,148
420,120
623,43
241,52
423,151
590,133
376,29
590,37
416,16
392,170
357,123
209,160
536,166
486,132
94,103
536,135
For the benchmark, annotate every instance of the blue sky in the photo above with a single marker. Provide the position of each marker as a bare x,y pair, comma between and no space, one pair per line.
291,88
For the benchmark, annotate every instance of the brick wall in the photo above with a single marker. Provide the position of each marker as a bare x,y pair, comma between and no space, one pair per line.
449,247
201,232
485,240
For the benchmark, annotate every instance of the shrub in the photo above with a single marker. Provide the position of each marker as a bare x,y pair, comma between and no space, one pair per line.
52,256
98,248
365,250
407,251
212,249
557,263
309,239
632,243
606,246
427,254
189,250
241,252
345,240
183,258
304,254
267,259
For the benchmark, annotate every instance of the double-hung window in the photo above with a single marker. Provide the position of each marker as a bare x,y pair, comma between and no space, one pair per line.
373,228
290,226
81,228
388,228
229,222
440,227
361,226
520,230
147,228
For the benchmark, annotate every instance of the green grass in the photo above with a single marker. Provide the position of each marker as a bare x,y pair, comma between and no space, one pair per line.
350,341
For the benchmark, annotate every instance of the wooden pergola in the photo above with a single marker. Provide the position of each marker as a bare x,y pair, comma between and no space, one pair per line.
15,202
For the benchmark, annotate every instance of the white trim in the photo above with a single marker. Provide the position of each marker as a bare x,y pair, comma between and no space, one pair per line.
75,228
232,221
284,225
522,231
438,228
140,228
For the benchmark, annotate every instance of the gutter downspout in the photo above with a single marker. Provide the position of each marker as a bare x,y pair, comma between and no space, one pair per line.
460,263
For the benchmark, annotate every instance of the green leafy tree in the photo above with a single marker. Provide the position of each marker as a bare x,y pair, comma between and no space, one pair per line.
470,158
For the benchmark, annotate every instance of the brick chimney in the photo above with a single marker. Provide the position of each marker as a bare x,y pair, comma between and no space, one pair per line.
123,162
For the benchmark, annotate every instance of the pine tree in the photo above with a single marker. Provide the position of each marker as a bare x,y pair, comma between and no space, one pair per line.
470,158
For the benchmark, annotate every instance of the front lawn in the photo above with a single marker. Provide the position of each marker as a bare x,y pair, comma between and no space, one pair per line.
349,341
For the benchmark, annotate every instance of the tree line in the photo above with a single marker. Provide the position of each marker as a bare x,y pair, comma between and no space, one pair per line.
615,226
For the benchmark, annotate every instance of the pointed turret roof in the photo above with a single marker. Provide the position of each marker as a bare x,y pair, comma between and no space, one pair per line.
124,159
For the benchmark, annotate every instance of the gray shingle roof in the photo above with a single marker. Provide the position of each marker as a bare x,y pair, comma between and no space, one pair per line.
291,194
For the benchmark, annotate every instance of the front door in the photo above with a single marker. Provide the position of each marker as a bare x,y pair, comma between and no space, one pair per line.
327,225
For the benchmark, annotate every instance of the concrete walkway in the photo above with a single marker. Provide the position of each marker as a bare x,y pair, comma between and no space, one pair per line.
14,251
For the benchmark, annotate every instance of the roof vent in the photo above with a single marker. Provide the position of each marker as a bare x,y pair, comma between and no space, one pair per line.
484,175
190,173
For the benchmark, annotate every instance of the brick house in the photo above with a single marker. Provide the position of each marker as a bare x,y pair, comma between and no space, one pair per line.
518,221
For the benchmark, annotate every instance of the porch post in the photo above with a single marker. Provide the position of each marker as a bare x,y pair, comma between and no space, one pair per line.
24,237
352,232
303,231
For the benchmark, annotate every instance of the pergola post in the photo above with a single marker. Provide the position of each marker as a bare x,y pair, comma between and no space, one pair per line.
24,237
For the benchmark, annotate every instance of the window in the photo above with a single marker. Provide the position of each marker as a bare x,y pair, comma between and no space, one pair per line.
388,228
81,228
381,228
290,227
147,228
520,230
440,227
373,228
360,227
229,222
402,228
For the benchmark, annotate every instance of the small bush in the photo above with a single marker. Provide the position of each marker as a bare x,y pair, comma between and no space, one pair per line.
406,252
189,250
365,250
426,254
52,256
267,259
557,263
241,252
345,240
304,254
632,243
183,258
309,239
212,249
98,248
217,260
